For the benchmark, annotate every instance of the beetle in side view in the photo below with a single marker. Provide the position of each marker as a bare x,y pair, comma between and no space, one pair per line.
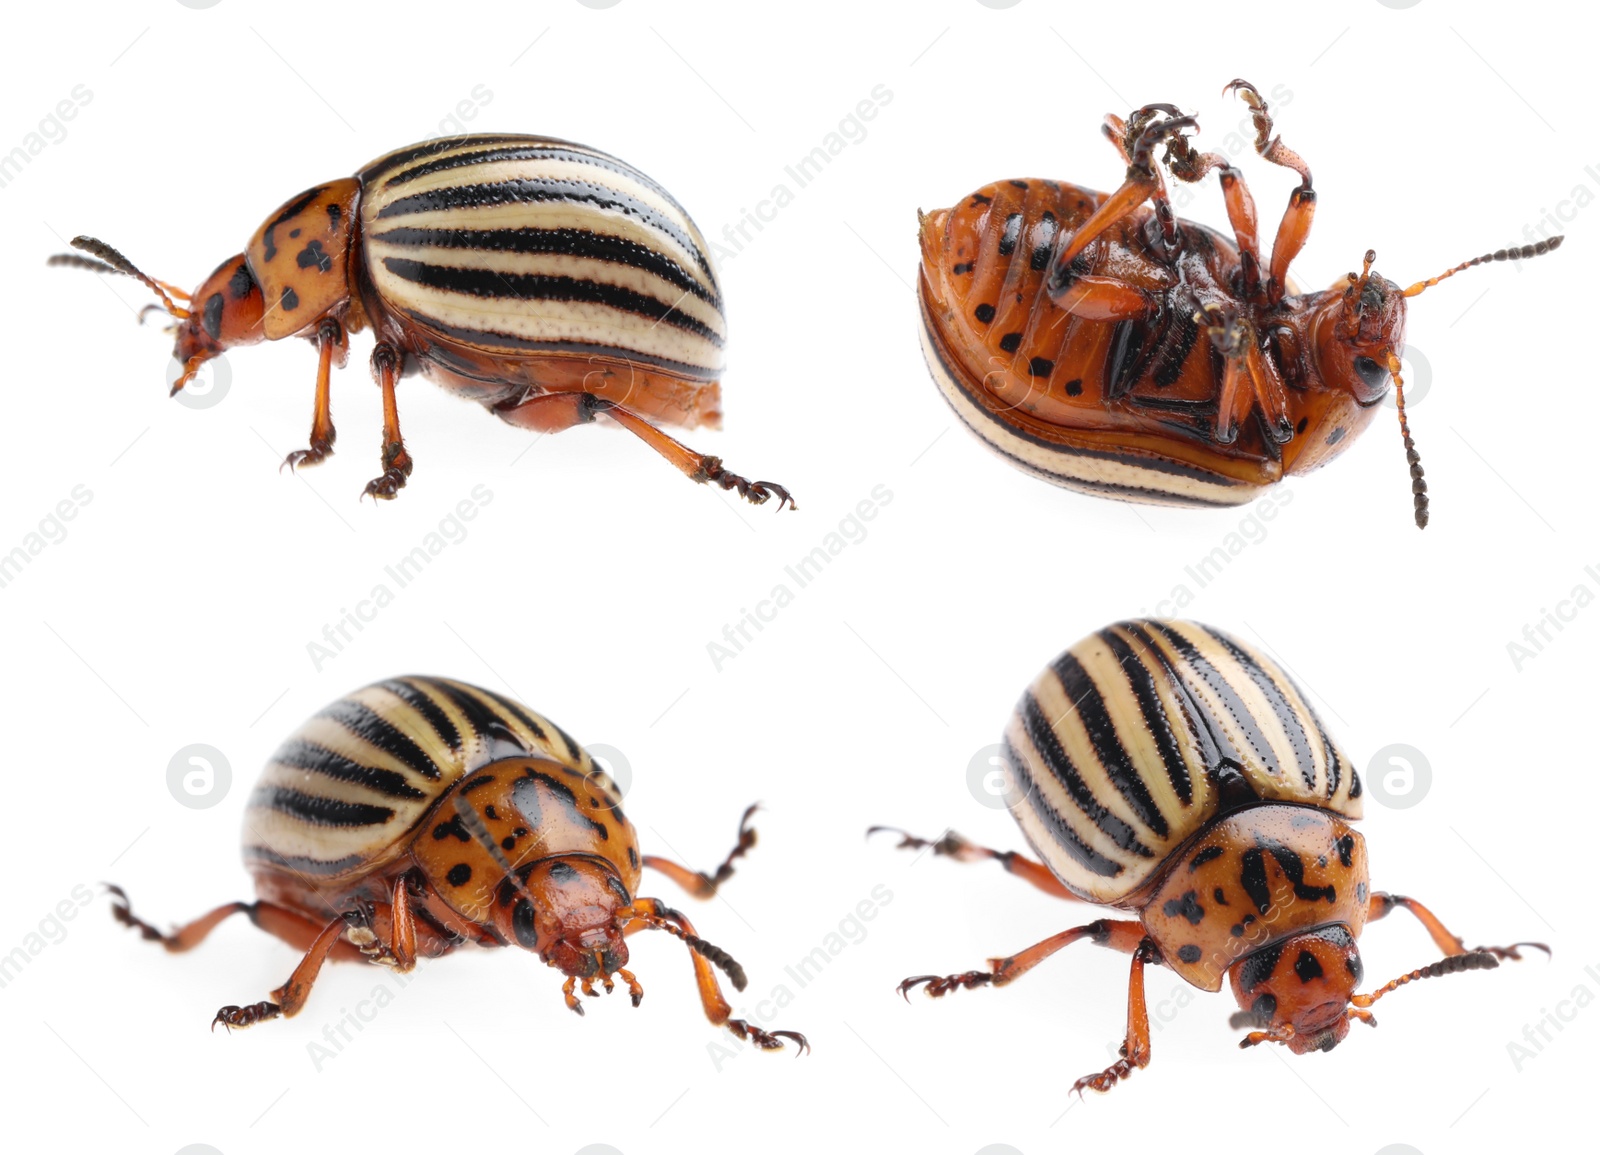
1173,773
1113,348
548,281
419,815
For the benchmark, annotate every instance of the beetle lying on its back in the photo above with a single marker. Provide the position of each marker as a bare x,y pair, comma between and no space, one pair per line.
419,815
1116,349
548,281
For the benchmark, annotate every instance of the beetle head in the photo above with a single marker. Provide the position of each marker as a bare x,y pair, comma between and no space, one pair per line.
1362,326
1297,990
226,311
567,913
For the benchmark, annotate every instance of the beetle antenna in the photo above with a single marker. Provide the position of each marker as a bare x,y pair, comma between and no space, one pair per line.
109,260
712,953
1473,960
1419,486
1526,252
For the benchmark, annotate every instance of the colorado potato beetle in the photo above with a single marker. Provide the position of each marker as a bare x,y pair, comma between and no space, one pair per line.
418,815
1113,348
1169,771
548,281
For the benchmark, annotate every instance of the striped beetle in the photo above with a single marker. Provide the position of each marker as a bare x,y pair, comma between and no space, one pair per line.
1064,328
1170,771
545,280
418,815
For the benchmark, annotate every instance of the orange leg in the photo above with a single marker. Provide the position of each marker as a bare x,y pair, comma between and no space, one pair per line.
705,885
553,412
1295,228
953,845
1135,1049
186,937
658,916
1380,904
1122,936
397,462
1247,377
330,339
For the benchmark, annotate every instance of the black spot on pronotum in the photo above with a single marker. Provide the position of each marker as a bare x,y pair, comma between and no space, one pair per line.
1219,897
1345,845
1021,184
562,872
242,283
522,924
460,874
1074,387
633,858
491,814
1011,342
1253,877
984,313
1352,963
453,828
1041,367
1236,930
508,843
980,199
293,233
1264,1008
1257,968
1188,906
1361,892
290,300
211,318
1189,953
1336,436
314,255
1307,967
333,216
1209,854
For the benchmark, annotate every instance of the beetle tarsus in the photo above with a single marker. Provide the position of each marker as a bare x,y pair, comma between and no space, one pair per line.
939,986
231,1017
1104,1080
767,1040
572,1000
397,467
122,911
755,492
318,452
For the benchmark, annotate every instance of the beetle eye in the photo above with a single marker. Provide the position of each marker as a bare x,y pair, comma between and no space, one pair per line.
1373,375
522,925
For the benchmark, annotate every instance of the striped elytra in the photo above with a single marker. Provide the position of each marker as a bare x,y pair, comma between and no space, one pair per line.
1175,776
1097,341
1134,739
419,815
548,281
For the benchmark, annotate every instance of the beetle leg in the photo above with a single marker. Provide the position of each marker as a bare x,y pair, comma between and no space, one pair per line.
953,845
705,885
1295,228
1097,298
330,339
1135,1049
291,996
553,412
397,462
1122,936
1232,337
185,937
1380,904
402,927
1189,165
659,916
635,991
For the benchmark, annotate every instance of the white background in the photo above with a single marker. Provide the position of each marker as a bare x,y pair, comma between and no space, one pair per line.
179,606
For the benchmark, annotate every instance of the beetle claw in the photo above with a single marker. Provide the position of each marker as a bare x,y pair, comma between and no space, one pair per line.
231,1016
767,1040
318,452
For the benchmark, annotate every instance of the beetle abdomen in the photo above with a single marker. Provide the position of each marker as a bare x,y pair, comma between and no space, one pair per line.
339,796
1131,741
528,246
1117,408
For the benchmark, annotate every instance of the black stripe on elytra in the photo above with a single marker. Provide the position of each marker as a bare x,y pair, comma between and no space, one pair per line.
1216,749
1292,720
592,194
1330,755
491,338
1154,713
302,864
1061,835
549,150
269,246
405,156
317,810
302,754
418,699
564,795
555,242
1113,757
1055,759
489,727
516,710
372,727
493,284
1231,701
